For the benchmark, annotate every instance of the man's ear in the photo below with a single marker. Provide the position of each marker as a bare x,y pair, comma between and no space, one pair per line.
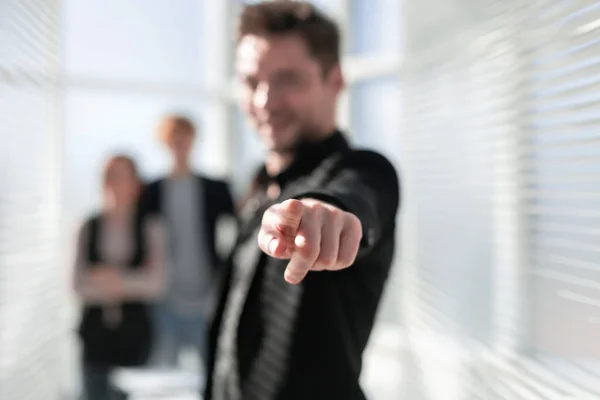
336,78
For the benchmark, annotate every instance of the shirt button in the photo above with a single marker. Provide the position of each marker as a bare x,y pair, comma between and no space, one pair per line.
371,237
273,191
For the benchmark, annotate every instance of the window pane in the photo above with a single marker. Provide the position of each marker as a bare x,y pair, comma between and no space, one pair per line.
136,39
249,154
99,124
331,7
29,38
30,285
375,26
376,116
561,175
376,120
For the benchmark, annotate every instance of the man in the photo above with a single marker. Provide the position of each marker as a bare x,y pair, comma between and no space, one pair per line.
294,319
191,204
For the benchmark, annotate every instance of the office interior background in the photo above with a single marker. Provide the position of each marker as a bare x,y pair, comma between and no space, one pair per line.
490,109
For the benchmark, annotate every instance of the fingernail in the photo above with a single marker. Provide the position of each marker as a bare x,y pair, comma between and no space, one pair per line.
273,245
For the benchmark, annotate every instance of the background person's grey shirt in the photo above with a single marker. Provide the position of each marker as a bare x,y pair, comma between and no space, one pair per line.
189,272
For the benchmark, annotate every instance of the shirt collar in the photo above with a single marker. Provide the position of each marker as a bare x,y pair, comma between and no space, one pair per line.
308,157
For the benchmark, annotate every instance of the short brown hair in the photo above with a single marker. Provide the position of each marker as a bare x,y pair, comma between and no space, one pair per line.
175,123
287,17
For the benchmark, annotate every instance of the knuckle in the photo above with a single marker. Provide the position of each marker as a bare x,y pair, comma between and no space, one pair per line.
354,224
314,209
318,267
281,226
289,203
310,250
335,213
294,272
327,261
345,261
347,257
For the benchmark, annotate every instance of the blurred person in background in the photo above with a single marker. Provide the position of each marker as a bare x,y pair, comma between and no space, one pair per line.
119,273
191,205
294,318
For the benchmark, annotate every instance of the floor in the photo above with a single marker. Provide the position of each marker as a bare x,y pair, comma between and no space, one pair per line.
381,378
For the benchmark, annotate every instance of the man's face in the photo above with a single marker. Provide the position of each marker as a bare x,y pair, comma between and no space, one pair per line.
284,91
179,143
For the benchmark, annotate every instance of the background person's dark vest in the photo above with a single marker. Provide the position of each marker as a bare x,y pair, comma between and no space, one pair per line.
129,342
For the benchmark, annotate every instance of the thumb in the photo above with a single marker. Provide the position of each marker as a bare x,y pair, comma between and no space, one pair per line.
288,216
279,227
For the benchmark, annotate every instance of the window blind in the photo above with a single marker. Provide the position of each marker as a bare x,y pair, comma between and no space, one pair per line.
449,106
562,182
30,284
501,169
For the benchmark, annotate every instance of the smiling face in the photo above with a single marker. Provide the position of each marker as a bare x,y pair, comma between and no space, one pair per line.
286,93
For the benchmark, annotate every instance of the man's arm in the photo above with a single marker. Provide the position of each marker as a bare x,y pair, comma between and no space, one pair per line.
366,186
324,229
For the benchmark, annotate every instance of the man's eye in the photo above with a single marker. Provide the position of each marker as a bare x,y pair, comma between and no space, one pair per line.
250,83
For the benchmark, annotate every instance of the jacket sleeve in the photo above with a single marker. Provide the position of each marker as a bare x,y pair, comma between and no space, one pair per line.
227,205
365,184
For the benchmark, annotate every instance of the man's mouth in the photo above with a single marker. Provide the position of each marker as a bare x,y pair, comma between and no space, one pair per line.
276,123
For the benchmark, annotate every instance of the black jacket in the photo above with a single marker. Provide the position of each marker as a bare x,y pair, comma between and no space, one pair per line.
216,202
337,309
129,343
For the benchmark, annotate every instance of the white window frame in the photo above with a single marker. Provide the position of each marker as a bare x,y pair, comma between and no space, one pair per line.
223,91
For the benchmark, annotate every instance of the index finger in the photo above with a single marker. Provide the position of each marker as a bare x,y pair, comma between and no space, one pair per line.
307,247
298,267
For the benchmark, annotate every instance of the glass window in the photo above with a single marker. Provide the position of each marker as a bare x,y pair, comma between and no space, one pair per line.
561,174
376,121
375,26
249,154
31,286
137,40
376,115
98,124
28,42
331,7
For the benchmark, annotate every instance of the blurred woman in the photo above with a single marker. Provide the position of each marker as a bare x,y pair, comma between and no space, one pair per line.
119,274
